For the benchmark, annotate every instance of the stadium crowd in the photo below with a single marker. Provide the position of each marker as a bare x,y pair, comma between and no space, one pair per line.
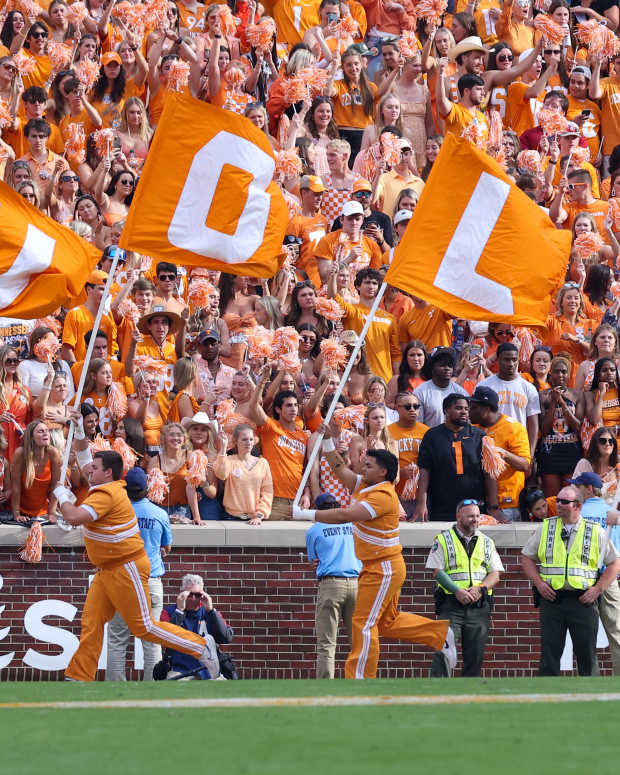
217,385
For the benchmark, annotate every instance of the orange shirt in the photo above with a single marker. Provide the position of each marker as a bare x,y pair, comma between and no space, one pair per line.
510,435
285,452
593,177
294,17
173,414
19,144
556,326
610,412
33,500
41,73
166,355
78,322
192,19
311,231
520,109
329,245
348,109
461,117
590,129
610,113
377,538
118,374
408,440
597,209
517,35
113,538
428,324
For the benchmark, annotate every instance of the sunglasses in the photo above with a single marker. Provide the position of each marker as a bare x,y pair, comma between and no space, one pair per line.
126,182
304,284
507,334
470,502
195,594
11,361
373,405
38,34
361,194
68,178
505,58
565,501
308,338
549,51
408,407
605,440
166,277
571,285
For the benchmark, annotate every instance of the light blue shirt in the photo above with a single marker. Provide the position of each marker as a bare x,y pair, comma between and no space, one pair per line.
595,510
333,547
154,526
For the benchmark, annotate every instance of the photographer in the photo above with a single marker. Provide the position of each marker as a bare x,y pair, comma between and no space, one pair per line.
466,566
194,611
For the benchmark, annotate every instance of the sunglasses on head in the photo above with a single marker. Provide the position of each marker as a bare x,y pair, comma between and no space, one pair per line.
571,285
374,405
470,502
166,277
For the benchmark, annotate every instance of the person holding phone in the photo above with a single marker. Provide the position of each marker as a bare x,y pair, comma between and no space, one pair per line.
583,111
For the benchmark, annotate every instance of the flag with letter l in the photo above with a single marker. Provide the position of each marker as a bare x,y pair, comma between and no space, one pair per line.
206,196
477,246
43,265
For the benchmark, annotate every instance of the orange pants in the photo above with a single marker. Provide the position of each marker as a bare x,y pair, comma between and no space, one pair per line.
124,589
376,613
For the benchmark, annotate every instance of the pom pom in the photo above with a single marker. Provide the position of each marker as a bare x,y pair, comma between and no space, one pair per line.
294,90
551,122
496,131
199,291
47,347
117,401
614,213
178,75
236,74
157,485
542,5
390,148
580,156
286,348
599,39
28,8
76,13
227,20
225,411
260,36
529,161
552,33
431,10
126,452
334,354
314,80
103,141
492,461
127,309
155,15
75,143
59,54
99,444
329,309
411,484
87,72
260,343
24,63
527,343
149,365
350,417
288,164
474,133
50,322
347,27
32,550
408,44
197,463
6,119
146,262
615,290
587,243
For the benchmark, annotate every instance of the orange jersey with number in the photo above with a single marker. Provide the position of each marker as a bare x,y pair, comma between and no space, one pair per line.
408,440
377,538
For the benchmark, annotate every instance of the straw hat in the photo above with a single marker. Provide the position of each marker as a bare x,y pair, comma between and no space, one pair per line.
158,311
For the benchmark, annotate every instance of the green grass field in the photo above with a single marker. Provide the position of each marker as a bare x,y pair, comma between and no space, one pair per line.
499,736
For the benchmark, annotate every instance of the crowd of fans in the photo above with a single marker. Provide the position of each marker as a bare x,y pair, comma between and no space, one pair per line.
215,384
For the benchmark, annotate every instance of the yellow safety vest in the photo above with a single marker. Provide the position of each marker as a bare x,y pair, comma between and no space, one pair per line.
465,571
580,565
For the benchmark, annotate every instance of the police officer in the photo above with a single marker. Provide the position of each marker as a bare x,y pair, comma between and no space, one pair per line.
337,571
569,551
466,566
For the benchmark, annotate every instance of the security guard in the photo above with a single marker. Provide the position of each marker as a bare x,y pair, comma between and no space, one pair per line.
467,567
570,551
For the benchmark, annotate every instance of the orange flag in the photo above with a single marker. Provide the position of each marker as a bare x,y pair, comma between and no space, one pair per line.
206,196
478,247
43,265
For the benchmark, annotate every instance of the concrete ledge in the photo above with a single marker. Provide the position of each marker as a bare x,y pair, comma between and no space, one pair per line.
277,534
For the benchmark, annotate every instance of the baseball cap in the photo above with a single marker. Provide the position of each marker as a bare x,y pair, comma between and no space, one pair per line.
313,182
136,478
402,215
111,56
485,396
326,500
571,129
582,70
349,338
404,143
363,50
588,478
361,184
97,277
209,333
441,353
291,239
352,208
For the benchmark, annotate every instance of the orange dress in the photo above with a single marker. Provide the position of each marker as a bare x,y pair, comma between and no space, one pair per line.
20,407
173,414
238,326
34,499
552,336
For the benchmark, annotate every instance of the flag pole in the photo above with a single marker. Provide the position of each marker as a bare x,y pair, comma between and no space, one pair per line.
339,389
87,357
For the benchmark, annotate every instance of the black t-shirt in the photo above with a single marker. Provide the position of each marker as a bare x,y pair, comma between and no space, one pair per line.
382,220
454,463
600,6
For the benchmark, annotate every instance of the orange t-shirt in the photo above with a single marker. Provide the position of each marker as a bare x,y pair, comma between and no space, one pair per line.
590,129
610,113
79,321
285,452
329,244
311,231
408,440
348,109
521,110
510,435
597,209
556,326
377,538
461,117
429,324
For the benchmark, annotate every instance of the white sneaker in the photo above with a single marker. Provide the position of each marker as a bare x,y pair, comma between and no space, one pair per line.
209,658
449,651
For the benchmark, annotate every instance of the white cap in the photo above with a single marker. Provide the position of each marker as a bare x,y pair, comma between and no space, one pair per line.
352,208
402,215
525,54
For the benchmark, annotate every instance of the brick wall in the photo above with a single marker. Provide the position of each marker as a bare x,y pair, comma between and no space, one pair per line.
267,596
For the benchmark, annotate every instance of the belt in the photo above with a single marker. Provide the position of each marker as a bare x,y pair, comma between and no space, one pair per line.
322,578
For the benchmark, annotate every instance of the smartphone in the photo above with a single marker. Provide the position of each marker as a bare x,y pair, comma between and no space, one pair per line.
332,17
475,351
586,113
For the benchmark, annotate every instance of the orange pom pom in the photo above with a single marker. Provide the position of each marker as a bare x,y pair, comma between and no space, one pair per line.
600,40
314,80
178,75
350,417
24,63
390,148
225,411
75,143
99,444
527,343
552,33
580,155
542,5
59,54
157,485
334,354
47,347
496,130
32,551
127,309
104,139
197,463
587,244
492,461
288,163
87,71
615,290
260,36
614,213
227,20
552,123
146,364
76,13
347,27
294,90
411,484
28,8
6,119
50,322
126,452
329,309
529,161
286,348
474,133
235,74
155,16
260,343
199,291
117,401
431,10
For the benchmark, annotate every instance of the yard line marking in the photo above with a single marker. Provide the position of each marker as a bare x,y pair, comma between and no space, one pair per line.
328,701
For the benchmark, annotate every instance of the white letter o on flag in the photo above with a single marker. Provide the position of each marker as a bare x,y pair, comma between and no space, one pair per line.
188,229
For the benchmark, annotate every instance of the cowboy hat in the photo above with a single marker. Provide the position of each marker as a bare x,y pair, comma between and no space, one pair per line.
472,43
159,311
